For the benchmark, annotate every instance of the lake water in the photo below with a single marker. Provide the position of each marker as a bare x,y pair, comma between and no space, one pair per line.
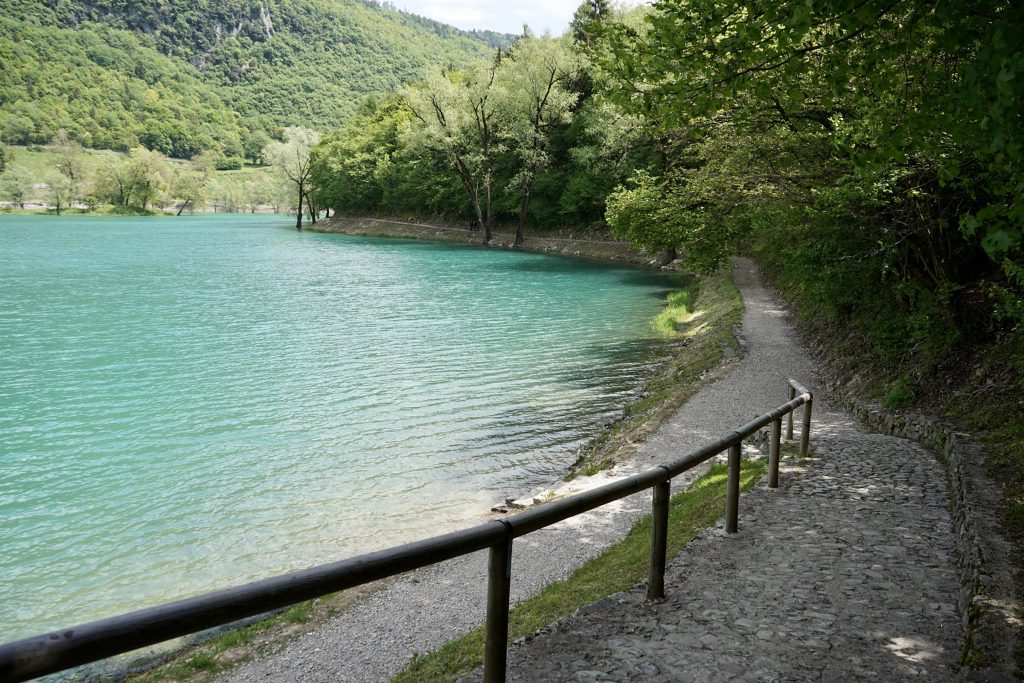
188,403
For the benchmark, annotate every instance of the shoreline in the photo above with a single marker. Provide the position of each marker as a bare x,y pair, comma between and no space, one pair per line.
558,243
657,397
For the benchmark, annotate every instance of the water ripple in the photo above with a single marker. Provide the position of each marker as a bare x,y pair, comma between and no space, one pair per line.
186,404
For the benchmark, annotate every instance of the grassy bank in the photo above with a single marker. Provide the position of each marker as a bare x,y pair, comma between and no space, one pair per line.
699,319
618,568
203,660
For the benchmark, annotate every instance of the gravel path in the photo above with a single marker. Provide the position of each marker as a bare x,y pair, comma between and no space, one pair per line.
852,557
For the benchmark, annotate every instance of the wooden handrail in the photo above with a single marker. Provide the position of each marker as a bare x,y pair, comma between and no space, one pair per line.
56,651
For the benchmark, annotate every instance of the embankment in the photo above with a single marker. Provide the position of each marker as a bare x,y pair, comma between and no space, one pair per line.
561,242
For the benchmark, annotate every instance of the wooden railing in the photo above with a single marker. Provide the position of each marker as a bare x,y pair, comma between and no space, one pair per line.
59,650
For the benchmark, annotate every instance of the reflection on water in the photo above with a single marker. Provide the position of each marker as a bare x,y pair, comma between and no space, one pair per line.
189,403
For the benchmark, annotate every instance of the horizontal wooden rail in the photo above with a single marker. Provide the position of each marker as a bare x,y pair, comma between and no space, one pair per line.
59,650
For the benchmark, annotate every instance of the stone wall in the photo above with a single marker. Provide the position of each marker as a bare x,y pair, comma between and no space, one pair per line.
988,602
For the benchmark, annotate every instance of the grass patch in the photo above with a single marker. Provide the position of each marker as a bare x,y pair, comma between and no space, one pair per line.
618,568
206,659
699,319
203,661
679,308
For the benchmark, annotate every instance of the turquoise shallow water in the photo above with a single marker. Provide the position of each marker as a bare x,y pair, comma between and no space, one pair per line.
189,403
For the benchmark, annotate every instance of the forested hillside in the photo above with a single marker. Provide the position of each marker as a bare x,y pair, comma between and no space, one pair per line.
180,77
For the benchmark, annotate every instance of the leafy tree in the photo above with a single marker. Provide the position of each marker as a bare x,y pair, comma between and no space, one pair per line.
919,109
456,118
585,22
189,186
70,163
534,98
291,159
114,183
58,191
15,183
148,175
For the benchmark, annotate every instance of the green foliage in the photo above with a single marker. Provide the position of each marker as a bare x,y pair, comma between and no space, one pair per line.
292,160
900,395
106,89
515,135
903,122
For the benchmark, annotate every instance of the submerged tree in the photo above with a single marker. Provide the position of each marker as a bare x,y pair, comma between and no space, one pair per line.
291,159
189,186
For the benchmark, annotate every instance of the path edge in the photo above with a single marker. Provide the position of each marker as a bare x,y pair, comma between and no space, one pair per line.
987,600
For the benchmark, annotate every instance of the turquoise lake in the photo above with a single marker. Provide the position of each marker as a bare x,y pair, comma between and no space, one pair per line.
189,403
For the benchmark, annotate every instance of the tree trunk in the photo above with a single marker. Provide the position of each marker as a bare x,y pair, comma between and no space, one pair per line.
298,215
525,207
182,208
521,226
485,235
667,257
490,215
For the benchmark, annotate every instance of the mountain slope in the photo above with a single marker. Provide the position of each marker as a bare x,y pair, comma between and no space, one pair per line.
111,71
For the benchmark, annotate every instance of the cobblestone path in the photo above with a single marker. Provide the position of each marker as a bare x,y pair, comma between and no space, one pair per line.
846,572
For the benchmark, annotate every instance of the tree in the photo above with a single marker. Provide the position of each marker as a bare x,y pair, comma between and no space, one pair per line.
189,186
585,22
148,174
69,163
58,191
534,98
256,191
291,159
15,183
5,157
458,118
